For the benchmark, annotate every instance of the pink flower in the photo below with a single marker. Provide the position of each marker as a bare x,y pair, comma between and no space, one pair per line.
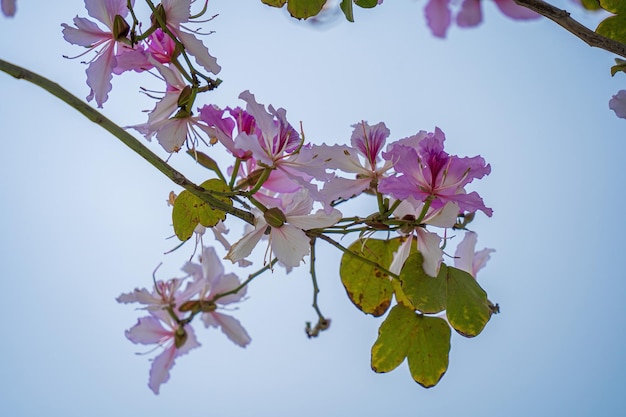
618,104
88,34
428,172
466,259
361,159
175,339
428,243
178,12
210,278
286,224
8,8
439,15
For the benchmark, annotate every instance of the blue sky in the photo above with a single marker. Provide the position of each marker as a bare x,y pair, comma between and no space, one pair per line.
85,219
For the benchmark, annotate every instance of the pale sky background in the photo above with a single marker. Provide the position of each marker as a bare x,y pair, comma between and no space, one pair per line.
84,219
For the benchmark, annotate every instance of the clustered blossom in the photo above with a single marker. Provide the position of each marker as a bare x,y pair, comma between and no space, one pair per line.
172,304
618,104
439,14
290,189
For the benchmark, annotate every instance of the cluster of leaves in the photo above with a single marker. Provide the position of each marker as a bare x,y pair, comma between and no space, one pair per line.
303,9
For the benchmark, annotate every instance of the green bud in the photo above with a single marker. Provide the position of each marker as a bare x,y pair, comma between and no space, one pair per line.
207,306
275,217
180,337
189,306
159,11
120,27
185,97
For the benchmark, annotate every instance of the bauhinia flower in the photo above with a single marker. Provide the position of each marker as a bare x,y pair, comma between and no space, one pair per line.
428,173
87,33
161,329
362,159
428,243
211,280
286,225
177,12
439,15
465,257
618,104
8,8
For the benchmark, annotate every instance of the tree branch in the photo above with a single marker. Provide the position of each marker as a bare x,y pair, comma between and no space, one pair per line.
126,138
562,18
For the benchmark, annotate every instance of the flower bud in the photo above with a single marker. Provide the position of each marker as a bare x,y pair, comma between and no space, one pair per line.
275,217
185,97
180,337
159,11
120,27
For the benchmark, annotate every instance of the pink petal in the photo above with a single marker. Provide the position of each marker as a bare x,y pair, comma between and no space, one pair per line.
172,135
512,10
177,11
195,47
105,10
86,33
318,220
100,74
428,245
464,255
230,327
148,331
618,104
8,8
470,14
243,247
161,365
438,17
289,244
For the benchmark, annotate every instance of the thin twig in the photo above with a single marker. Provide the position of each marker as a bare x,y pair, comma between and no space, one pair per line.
562,18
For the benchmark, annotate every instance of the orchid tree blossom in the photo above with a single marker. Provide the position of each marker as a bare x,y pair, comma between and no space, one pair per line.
426,172
8,8
209,276
467,259
428,243
87,33
286,224
618,104
267,141
439,14
178,12
362,159
158,46
176,340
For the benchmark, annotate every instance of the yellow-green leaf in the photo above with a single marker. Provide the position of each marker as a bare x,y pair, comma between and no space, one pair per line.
368,287
426,294
425,341
189,210
303,9
429,352
613,27
467,306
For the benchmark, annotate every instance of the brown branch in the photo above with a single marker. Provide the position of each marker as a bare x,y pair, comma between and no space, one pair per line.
562,18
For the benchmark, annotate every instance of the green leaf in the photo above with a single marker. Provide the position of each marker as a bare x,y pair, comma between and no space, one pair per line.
428,355
366,4
613,27
425,341
274,3
426,294
394,339
368,287
302,9
346,8
189,210
591,4
613,6
467,306
620,65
